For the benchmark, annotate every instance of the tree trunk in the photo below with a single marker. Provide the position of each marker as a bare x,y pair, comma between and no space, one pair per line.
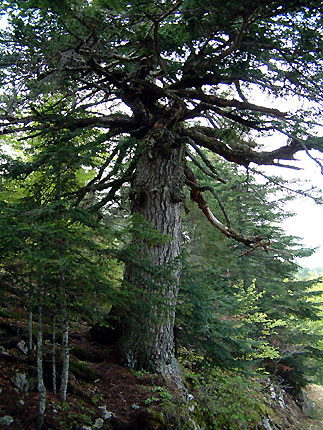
40,380
66,353
30,331
54,354
148,339
30,321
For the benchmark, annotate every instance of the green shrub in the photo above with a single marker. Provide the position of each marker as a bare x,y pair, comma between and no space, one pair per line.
229,400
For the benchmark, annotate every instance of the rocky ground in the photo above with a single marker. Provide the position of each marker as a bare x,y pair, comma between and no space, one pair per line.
102,393
100,388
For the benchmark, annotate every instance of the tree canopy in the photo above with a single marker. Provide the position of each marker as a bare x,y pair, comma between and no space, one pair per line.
107,102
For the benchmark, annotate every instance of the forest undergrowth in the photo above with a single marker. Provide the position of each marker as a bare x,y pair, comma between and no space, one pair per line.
101,391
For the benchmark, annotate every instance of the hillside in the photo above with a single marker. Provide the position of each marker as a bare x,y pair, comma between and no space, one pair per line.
104,394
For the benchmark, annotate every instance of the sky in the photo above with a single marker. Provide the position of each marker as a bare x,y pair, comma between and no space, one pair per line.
307,224
308,221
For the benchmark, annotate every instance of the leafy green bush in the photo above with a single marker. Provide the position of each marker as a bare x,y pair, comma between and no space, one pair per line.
229,400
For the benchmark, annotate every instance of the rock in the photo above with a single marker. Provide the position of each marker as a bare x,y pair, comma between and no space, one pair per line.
86,428
102,408
20,381
3,351
135,406
6,420
265,424
23,383
191,408
22,347
272,392
277,397
21,403
106,415
189,397
98,423
281,400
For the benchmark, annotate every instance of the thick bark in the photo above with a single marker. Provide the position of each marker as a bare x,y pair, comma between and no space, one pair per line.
148,340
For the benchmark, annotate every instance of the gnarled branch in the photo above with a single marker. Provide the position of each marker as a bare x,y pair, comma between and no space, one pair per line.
196,195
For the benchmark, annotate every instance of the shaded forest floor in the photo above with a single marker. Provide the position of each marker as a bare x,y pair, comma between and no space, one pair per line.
98,385
101,391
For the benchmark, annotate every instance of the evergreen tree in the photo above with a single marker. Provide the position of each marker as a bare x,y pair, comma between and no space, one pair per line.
115,87
249,299
53,255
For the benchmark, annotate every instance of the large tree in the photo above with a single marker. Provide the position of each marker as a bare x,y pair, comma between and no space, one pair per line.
126,88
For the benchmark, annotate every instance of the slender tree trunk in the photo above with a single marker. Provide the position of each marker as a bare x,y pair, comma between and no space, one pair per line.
30,331
40,380
66,354
54,353
148,340
30,321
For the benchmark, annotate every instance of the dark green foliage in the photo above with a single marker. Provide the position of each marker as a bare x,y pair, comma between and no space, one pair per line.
207,317
90,88
240,307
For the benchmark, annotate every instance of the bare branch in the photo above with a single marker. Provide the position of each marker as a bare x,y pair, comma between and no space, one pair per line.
262,244
202,188
286,166
206,160
200,136
196,196
224,103
95,85
235,45
311,157
244,154
238,88
173,9
126,177
52,123
202,168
